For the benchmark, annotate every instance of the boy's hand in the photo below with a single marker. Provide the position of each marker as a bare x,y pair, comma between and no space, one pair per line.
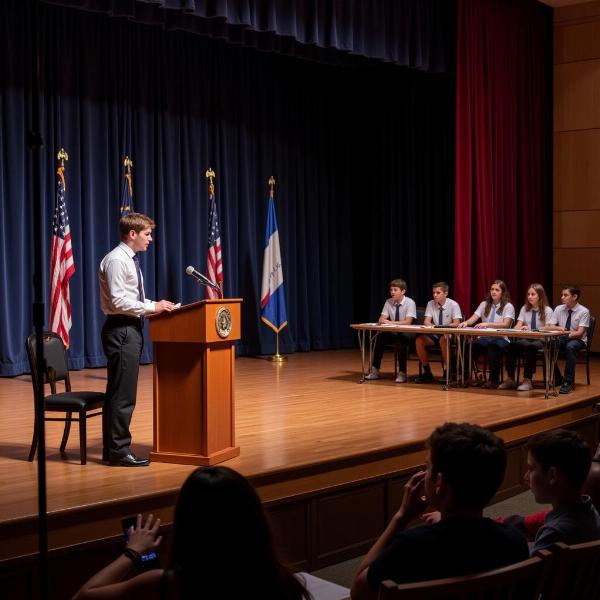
414,501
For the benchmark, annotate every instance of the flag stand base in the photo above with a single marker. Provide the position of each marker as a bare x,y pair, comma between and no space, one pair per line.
277,358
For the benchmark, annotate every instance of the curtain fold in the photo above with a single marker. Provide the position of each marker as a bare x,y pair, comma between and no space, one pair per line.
341,142
411,33
503,147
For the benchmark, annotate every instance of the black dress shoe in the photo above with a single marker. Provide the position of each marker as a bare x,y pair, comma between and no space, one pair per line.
425,377
129,460
566,388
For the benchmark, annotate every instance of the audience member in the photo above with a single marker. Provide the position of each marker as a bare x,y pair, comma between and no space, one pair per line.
221,548
465,467
558,463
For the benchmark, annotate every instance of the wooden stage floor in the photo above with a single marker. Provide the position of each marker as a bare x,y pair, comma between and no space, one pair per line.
301,426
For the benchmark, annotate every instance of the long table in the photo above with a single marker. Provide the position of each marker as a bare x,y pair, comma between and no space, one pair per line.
368,332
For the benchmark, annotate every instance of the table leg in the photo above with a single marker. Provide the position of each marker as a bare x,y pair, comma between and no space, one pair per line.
460,360
361,342
551,346
447,337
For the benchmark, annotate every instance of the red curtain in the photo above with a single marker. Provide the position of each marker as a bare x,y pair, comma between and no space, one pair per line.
503,148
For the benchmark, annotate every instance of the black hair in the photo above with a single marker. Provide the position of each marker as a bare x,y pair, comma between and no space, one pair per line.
222,542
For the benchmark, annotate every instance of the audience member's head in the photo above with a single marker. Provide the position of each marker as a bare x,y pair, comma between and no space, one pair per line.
469,459
220,529
558,463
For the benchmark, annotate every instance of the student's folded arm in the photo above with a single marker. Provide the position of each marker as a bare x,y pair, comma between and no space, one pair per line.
578,334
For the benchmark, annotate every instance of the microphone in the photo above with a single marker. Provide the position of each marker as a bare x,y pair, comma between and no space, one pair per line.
203,279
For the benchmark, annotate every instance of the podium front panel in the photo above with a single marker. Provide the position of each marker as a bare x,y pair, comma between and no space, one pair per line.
178,376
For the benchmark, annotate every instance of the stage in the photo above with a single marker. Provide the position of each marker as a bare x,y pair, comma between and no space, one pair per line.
311,438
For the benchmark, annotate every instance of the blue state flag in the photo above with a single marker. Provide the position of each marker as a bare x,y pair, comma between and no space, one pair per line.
272,303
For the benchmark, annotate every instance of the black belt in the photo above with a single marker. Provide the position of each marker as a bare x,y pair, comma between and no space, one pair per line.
123,321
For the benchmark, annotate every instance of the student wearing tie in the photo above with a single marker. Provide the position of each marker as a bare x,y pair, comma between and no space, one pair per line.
123,301
441,311
534,314
495,312
573,319
397,310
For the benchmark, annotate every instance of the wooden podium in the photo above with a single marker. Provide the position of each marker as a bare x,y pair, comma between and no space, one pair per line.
193,381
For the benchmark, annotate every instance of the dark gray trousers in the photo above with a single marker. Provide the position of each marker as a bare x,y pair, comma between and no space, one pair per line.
122,341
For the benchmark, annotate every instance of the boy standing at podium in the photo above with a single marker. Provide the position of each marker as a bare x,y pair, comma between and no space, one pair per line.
123,301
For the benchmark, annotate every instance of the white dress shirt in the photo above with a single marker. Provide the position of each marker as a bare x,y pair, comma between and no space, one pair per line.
119,293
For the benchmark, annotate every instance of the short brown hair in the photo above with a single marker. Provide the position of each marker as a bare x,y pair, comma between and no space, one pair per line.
441,284
136,221
399,283
471,459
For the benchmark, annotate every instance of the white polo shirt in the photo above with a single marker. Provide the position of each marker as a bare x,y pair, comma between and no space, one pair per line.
493,316
450,311
408,308
580,317
525,316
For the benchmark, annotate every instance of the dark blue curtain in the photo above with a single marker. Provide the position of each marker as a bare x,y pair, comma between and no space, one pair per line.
412,33
361,156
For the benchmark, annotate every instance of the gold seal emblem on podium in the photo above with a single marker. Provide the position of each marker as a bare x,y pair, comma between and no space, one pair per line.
223,321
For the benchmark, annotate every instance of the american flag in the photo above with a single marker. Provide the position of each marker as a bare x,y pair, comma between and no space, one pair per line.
62,266
214,264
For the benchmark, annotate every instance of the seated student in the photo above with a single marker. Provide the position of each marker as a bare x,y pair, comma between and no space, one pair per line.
574,319
534,314
465,467
495,312
398,310
439,311
558,463
221,548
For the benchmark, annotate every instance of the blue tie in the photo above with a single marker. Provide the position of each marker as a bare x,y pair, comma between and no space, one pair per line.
397,316
493,315
533,320
138,272
441,317
568,323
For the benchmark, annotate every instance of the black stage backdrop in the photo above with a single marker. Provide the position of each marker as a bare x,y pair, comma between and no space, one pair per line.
363,155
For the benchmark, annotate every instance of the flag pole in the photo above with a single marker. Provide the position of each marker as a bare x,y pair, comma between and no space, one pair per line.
127,199
276,358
